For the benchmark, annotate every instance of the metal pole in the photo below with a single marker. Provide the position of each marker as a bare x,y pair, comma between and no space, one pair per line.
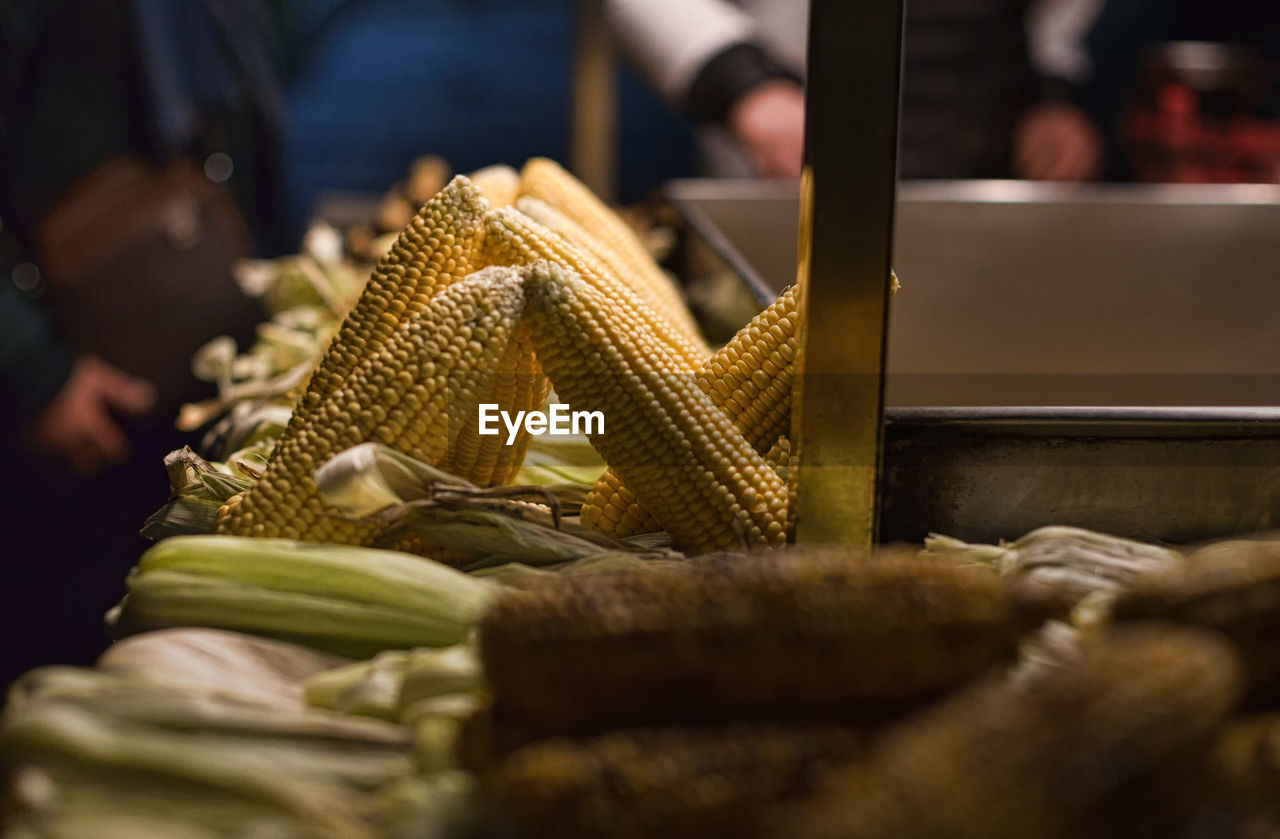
594,127
848,193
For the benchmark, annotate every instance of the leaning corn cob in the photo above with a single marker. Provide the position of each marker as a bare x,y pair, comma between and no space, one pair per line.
749,379
680,453
1232,587
437,248
1068,754
415,394
775,633
671,782
512,238
351,601
643,275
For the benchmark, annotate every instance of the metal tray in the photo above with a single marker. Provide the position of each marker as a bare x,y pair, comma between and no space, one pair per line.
1038,298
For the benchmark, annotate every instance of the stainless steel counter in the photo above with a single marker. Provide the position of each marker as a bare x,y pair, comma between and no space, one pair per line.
1033,294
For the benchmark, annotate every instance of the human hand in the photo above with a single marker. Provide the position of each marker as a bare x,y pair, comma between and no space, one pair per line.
1057,142
77,425
768,122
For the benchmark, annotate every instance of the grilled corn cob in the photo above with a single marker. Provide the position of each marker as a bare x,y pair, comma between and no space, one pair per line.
437,248
349,601
643,275
1075,752
747,634
680,454
415,394
512,238
672,782
1232,587
750,380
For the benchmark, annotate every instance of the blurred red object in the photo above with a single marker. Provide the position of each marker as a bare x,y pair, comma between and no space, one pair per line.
1194,117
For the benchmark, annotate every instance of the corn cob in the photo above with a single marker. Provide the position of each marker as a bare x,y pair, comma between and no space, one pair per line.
415,394
437,248
512,238
350,601
643,276
680,453
771,633
672,782
614,510
518,384
779,456
750,380
499,184
1079,751
1232,587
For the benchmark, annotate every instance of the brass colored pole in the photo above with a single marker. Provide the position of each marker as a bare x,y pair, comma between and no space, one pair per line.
593,145
848,193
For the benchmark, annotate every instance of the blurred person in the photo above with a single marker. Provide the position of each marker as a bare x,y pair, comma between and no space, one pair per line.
137,160
1227,100
973,103
376,83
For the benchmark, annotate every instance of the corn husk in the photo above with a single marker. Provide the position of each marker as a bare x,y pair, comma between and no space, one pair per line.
267,671
349,601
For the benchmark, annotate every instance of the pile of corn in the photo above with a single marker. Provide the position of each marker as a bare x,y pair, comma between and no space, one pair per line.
403,628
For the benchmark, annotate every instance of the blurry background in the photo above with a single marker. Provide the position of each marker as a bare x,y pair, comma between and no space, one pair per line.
146,145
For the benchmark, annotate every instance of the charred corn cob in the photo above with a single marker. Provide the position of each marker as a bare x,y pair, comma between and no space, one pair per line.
415,394
750,380
499,184
743,635
351,601
512,238
438,248
680,454
672,782
1232,587
643,275
1069,754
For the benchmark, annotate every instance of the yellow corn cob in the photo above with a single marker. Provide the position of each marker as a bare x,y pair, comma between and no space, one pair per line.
614,510
779,456
668,442
436,249
414,394
499,184
518,385
512,238
549,183
652,285
750,379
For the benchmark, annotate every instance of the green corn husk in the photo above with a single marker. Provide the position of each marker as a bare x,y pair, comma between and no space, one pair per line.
1051,569
362,688
519,575
481,526
283,776
349,601
266,671
196,490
